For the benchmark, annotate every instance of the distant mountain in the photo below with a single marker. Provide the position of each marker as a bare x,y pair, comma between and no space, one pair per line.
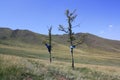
5,33
90,41
21,35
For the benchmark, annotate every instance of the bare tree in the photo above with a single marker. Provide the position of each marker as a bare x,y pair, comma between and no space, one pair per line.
70,18
49,44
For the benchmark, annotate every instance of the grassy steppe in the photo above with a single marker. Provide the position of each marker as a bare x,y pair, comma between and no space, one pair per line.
20,61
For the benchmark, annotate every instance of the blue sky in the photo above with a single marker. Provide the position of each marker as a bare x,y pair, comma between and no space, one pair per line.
99,17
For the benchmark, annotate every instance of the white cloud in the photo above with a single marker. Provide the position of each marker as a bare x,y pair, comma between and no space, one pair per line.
108,30
110,26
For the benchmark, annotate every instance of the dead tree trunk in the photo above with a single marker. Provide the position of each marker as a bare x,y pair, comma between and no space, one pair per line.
49,44
50,38
70,18
71,40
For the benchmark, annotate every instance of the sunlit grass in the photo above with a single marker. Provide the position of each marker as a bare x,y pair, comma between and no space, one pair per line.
19,68
62,53
32,61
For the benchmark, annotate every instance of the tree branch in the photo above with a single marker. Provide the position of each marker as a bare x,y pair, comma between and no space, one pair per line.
61,28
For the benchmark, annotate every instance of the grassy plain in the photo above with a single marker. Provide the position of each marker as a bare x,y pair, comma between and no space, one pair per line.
20,61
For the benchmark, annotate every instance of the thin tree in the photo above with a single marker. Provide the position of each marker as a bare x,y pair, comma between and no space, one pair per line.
70,18
49,45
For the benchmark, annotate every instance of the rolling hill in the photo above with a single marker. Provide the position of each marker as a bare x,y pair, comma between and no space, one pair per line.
23,56
90,41
21,35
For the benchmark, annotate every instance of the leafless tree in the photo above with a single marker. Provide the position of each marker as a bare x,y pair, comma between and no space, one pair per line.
70,18
49,44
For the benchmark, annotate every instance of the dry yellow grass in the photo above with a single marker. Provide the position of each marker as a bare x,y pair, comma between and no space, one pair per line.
62,66
18,60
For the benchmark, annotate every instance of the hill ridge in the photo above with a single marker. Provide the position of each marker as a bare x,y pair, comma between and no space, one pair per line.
90,40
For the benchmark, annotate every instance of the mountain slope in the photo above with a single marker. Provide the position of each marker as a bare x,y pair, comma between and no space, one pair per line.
28,44
94,41
90,41
5,33
25,36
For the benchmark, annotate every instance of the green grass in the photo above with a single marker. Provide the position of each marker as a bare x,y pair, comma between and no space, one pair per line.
62,54
23,53
19,61
19,68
